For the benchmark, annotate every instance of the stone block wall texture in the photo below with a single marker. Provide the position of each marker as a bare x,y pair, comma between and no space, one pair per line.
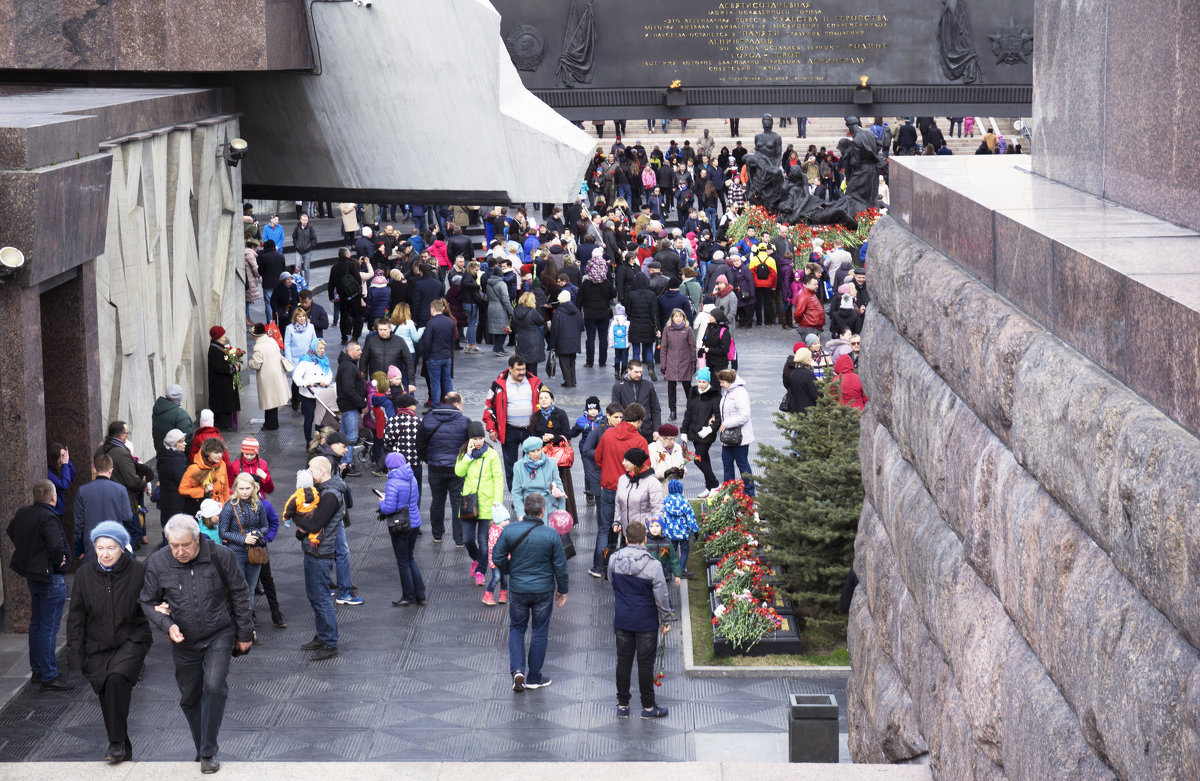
1029,548
172,267
1115,76
154,35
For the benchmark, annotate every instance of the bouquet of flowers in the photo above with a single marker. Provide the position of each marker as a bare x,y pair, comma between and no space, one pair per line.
660,664
744,621
234,357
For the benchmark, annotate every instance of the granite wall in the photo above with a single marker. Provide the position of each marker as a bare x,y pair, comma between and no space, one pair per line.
1029,548
172,267
154,35
1116,102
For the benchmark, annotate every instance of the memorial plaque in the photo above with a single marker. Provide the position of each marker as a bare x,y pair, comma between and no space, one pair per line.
712,43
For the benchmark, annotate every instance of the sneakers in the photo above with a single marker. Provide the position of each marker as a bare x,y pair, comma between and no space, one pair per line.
478,578
488,599
657,712
622,711
437,538
312,645
403,602
518,682
595,573
502,597
541,685
348,599
704,494
325,652
379,472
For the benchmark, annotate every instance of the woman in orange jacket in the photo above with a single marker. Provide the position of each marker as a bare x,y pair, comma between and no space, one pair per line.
207,477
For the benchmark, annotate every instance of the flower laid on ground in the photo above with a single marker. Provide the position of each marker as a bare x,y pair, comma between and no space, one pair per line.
749,576
745,621
726,540
729,505
233,357
766,226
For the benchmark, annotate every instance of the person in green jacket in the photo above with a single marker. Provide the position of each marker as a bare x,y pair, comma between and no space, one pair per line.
167,414
531,554
482,472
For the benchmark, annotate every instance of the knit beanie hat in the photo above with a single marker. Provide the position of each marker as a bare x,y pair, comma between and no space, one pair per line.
113,530
175,393
675,486
704,376
249,446
803,357
564,296
394,373
206,417
210,508
636,456
303,479
475,430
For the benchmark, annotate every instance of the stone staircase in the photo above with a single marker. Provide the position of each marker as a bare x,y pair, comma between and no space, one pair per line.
821,131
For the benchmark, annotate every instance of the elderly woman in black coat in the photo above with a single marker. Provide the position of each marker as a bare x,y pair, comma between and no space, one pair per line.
530,328
107,633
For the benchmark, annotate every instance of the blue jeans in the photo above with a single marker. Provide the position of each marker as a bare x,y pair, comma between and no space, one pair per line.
304,262
496,579
249,571
741,455
596,328
411,584
443,482
475,538
267,303
625,191
644,352
316,588
606,511
341,557
201,674
684,547
350,429
440,382
520,607
46,603
472,311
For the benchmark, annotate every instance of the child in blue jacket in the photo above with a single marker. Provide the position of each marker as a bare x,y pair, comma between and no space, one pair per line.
679,522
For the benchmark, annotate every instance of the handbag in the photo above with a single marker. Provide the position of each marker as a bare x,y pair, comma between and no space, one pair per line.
568,546
469,508
551,364
731,437
398,523
562,453
255,554
288,366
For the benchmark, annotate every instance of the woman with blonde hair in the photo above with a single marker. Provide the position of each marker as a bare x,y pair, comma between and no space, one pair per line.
243,526
405,327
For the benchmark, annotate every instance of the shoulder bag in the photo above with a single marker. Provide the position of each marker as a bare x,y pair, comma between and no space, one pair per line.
398,523
731,437
255,554
468,509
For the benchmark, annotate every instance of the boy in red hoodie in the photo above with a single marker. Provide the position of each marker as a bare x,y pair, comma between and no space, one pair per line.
609,454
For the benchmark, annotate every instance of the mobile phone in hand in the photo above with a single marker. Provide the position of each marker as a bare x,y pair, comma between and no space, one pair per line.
377,492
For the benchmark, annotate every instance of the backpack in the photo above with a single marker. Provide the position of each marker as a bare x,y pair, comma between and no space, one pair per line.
762,270
350,284
620,336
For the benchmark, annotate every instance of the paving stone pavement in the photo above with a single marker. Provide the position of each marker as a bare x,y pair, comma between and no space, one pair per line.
431,683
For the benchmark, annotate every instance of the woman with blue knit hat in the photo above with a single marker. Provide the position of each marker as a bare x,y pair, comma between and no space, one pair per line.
535,473
108,636
700,424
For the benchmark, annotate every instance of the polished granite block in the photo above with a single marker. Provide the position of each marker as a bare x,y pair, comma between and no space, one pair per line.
1119,285
1068,79
900,183
1152,105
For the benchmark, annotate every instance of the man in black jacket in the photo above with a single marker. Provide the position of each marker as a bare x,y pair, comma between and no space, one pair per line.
382,349
304,239
458,245
442,433
343,281
351,398
209,614
635,388
270,266
40,556
426,290
437,347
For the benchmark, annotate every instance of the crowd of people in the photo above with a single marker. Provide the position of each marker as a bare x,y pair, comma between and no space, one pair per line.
610,279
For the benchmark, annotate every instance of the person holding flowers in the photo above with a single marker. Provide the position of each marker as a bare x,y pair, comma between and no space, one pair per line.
224,378
641,611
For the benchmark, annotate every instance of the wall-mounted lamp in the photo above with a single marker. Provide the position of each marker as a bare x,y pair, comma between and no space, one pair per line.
234,151
11,261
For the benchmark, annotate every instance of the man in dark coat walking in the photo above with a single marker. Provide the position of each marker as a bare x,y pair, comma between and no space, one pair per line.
566,327
209,615
40,556
635,389
441,434
270,266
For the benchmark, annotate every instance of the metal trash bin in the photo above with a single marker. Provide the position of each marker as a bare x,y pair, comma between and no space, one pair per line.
813,728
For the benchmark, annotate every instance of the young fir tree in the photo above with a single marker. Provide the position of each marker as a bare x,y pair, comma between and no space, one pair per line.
810,497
